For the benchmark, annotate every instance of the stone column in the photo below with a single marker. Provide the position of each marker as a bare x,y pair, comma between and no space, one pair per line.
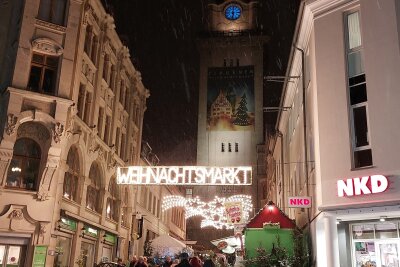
327,242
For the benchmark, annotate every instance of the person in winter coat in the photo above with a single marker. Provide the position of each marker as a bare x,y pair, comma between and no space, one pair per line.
195,262
168,262
184,260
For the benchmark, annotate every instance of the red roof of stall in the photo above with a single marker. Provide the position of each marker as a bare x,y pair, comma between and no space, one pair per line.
271,214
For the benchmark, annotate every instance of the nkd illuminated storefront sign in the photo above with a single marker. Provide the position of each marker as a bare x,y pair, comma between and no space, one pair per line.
186,175
362,185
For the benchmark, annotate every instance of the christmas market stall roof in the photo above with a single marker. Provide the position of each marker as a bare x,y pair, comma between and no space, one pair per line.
167,245
271,214
268,229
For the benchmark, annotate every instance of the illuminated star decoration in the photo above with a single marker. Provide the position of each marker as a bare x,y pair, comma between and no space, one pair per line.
213,212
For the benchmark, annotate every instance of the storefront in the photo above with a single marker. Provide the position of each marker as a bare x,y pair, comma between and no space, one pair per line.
363,228
13,251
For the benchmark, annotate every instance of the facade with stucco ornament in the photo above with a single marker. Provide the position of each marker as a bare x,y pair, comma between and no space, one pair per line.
71,112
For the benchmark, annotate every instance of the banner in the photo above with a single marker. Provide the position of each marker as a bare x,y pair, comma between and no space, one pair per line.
234,212
230,99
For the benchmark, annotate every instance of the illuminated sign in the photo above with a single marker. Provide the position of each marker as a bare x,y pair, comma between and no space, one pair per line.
299,202
186,175
362,185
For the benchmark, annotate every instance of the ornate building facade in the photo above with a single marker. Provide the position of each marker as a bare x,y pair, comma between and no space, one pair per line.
72,109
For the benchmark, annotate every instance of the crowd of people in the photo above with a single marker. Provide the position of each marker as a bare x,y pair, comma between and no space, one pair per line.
183,261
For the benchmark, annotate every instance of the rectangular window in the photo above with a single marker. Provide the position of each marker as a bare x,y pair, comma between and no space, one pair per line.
100,123
117,140
236,147
123,147
358,99
63,250
43,74
53,11
88,102
222,147
107,128
81,101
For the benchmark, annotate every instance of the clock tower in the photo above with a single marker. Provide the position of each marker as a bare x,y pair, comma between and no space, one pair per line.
230,122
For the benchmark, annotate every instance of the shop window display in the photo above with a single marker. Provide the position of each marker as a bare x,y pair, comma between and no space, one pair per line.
376,245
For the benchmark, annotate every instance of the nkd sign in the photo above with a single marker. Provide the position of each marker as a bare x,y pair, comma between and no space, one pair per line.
186,175
299,202
362,185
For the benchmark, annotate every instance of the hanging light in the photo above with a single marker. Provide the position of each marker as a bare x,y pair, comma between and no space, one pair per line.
213,212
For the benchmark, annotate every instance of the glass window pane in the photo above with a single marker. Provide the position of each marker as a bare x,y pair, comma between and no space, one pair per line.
63,249
13,255
44,10
87,251
389,254
365,231
37,58
386,230
358,94
365,254
356,65
31,173
34,78
362,158
360,126
49,81
58,11
2,253
354,33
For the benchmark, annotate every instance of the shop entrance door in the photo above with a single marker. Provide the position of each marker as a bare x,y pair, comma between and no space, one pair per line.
12,255
388,253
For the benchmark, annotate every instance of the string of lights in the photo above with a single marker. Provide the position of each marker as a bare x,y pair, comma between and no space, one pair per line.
213,212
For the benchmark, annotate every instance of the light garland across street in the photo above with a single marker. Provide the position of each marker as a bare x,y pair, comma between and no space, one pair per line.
213,212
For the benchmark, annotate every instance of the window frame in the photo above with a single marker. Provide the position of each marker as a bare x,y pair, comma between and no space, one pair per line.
73,176
351,108
43,67
24,159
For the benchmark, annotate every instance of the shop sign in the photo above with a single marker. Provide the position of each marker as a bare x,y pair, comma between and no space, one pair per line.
234,212
110,238
184,175
39,256
299,202
67,224
362,185
91,231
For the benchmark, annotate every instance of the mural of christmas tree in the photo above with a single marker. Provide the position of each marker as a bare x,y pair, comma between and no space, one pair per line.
242,118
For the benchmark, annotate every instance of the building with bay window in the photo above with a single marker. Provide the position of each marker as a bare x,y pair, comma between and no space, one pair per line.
336,137
71,112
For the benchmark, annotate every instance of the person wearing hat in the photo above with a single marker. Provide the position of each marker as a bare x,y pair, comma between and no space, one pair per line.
184,260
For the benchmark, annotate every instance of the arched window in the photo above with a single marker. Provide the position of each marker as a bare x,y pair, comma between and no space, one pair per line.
112,201
71,178
23,172
124,210
93,189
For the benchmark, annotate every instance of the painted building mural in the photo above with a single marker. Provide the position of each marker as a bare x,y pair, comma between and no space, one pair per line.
230,99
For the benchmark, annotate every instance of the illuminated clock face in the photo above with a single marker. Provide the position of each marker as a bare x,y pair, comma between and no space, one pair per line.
233,12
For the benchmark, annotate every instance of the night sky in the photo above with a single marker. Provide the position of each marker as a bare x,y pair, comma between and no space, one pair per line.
161,36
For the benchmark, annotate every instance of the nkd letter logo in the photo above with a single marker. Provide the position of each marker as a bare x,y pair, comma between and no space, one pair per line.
362,186
299,202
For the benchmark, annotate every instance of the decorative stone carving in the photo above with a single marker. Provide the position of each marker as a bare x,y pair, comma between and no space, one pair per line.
17,214
42,229
50,25
11,124
100,154
57,132
3,169
47,46
33,130
112,163
47,177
